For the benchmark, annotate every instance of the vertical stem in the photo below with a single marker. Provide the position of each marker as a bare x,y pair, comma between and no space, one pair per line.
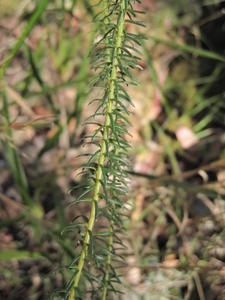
102,154
40,9
108,262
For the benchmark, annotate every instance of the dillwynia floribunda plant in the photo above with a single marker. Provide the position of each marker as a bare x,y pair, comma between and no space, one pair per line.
99,247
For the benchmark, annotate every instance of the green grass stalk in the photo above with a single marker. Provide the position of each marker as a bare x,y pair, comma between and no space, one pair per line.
32,22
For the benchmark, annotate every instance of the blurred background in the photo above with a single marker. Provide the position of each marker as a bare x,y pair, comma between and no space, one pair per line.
175,233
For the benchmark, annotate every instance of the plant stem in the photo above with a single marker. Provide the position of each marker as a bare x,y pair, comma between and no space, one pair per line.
108,262
25,33
103,150
110,240
189,49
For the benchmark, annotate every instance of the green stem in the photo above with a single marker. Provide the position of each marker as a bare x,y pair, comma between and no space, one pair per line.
108,262
102,155
11,153
190,49
24,34
110,240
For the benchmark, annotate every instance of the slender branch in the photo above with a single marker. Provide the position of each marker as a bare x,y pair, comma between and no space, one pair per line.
108,262
103,148
40,9
110,240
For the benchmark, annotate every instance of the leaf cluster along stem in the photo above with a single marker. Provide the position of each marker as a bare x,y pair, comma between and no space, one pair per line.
102,155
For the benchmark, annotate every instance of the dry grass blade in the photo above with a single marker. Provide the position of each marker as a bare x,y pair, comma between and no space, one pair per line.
19,100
